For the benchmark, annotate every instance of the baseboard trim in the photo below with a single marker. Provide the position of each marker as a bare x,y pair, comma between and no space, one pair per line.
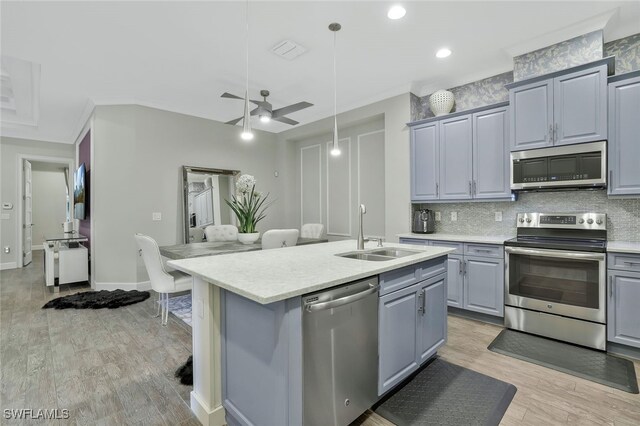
8,265
624,350
477,316
207,416
141,286
38,247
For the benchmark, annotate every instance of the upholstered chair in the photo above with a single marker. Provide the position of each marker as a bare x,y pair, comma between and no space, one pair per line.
312,230
221,233
162,282
277,238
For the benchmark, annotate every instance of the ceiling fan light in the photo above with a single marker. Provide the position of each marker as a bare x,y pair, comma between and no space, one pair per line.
396,12
246,136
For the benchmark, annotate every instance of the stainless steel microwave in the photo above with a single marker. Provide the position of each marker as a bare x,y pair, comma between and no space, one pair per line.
560,167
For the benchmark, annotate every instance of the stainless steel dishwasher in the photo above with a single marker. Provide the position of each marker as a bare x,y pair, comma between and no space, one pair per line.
340,353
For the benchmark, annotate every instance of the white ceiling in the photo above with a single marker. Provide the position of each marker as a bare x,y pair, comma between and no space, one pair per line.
181,56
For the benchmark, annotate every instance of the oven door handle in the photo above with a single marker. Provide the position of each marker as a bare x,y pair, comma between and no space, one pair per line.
555,253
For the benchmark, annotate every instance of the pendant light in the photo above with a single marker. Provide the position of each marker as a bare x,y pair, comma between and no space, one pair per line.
335,148
247,134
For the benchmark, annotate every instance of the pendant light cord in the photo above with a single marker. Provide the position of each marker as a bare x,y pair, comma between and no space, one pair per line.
247,50
335,79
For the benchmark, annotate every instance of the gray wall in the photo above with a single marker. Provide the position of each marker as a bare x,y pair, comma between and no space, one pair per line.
10,148
49,203
623,215
138,155
395,112
627,53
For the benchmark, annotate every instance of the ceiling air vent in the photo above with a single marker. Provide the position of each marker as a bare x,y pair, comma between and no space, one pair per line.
288,49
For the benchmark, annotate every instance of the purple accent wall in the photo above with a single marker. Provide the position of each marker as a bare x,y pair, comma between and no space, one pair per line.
84,156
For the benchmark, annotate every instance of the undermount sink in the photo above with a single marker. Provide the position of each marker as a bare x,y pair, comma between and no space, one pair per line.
378,255
395,253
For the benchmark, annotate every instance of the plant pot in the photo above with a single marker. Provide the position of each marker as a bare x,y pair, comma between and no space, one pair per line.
248,238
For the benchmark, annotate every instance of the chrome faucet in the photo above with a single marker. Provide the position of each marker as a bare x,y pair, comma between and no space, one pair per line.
361,239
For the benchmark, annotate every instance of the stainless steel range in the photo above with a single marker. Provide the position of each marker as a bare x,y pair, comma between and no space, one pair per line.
555,279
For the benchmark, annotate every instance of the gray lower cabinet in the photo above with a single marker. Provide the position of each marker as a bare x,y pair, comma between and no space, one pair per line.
475,275
567,109
624,137
455,281
623,316
412,326
484,285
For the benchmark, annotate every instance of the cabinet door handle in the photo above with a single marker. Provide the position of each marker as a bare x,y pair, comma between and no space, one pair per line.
420,301
610,179
555,132
437,189
464,268
424,299
550,135
610,287
470,190
475,190
460,267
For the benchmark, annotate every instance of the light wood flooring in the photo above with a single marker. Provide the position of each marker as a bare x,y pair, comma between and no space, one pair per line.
116,366
107,367
544,396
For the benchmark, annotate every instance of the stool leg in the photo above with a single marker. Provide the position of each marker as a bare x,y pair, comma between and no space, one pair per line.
159,306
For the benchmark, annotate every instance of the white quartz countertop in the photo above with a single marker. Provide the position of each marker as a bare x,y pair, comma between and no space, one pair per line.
268,276
480,239
623,247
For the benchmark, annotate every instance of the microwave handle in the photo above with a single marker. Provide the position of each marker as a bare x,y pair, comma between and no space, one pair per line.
550,135
555,253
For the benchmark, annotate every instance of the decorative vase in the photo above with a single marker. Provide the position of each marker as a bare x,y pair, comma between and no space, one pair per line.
441,102
248,238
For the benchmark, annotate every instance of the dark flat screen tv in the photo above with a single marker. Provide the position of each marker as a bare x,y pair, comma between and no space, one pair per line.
80,198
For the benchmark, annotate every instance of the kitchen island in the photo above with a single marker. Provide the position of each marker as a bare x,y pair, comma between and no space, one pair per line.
247,315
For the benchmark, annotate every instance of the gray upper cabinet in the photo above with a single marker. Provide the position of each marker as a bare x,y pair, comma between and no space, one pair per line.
623,322
461,157
424,162
624,137
455,158
570,108
580,106
531,121
491,154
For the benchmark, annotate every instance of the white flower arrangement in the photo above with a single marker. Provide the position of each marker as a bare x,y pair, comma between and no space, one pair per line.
249,205
245,184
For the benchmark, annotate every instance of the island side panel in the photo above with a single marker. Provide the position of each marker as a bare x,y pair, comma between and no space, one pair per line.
206,397
261,361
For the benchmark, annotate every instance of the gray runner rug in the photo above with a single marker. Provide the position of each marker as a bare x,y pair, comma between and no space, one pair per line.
447,394
588,364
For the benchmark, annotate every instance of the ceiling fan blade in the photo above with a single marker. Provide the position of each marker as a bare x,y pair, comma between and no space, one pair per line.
289,109
230,95
260,103
285,120
236,121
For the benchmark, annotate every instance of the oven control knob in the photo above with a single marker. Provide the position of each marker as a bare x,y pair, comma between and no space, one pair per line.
581,221
589,221
521,219
599,221
550,306
528,220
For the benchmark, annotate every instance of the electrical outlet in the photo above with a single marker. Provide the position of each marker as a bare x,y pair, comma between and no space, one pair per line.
156,216
7,249
438,216
498,216
454,216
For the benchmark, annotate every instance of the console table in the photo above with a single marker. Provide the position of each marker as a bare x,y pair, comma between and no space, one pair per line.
64,262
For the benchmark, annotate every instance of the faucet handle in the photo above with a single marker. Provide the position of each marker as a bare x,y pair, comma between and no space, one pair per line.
379,240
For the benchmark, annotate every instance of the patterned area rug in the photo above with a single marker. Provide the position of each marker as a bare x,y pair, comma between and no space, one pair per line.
180,306
99,300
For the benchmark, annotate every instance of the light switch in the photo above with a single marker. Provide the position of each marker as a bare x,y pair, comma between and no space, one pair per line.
438,216
156,216
498,216
454,216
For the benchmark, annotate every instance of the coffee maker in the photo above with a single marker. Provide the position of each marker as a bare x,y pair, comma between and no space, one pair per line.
423,222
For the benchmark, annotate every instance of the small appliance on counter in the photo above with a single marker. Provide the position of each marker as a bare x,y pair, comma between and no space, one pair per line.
423,222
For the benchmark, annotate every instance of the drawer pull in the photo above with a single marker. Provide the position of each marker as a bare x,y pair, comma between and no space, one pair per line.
632,263
483,250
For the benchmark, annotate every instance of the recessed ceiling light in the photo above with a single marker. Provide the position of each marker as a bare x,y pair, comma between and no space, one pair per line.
443,53
396,12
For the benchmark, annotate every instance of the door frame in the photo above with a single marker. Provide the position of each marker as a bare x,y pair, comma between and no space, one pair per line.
69,162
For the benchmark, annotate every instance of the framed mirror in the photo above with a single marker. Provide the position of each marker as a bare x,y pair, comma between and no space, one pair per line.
204,194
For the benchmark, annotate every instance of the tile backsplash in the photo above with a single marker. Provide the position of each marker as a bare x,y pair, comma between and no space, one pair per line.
627,53
478,218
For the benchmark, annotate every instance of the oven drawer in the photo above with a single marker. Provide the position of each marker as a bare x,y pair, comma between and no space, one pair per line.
485,250
451,244
623,261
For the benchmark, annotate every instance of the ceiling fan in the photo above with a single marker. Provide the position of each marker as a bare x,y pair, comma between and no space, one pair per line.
265,110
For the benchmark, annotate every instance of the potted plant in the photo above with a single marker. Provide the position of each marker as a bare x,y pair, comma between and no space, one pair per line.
249,207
